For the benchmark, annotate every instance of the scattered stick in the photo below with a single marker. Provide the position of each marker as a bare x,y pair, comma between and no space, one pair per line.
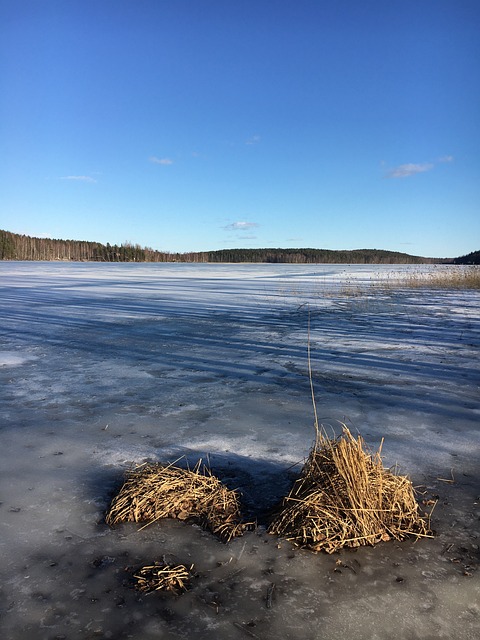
164,577
270,591
231,575
449,480
246,630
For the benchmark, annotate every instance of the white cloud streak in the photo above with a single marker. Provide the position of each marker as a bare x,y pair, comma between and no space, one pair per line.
164,161
240,226
79,178
410,169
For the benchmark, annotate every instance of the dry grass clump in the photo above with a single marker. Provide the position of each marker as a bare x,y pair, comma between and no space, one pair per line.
346,498
154,491
443,277
164,577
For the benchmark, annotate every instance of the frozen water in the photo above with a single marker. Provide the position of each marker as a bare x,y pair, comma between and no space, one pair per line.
102,366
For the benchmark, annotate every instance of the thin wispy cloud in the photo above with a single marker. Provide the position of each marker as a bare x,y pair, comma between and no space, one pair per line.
78,178
409,169
240,226
412,169
164,161
253,140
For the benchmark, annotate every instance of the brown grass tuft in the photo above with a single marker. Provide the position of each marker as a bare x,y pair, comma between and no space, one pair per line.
346,498
154,491
163,577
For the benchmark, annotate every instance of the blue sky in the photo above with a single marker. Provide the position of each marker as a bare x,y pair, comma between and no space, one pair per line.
190,125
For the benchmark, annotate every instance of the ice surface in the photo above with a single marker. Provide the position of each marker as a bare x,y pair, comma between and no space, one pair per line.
103,366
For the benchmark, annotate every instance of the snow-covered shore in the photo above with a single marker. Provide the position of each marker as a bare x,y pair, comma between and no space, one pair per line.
105,365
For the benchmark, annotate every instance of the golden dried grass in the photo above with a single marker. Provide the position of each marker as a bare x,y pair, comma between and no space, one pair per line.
346,498
164,577
444,277
154,491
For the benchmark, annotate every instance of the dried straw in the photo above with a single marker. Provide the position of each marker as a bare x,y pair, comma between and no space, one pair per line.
154,491
161,576
346,498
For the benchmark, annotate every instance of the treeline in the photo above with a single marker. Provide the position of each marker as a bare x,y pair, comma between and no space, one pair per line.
14,246
20,247
312,256
470,258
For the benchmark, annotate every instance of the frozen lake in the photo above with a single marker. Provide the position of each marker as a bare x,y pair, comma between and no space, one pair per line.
106,365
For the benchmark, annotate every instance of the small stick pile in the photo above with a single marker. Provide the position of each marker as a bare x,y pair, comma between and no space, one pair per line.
346,498
154,491
161,576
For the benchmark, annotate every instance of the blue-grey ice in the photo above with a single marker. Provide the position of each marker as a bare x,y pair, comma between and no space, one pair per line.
103,366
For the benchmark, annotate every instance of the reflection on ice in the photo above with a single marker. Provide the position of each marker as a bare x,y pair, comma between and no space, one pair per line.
104,366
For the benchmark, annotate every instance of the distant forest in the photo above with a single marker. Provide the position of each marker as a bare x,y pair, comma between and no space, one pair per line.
471,258
14,246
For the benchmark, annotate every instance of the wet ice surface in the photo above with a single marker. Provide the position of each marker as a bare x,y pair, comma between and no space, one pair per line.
103,366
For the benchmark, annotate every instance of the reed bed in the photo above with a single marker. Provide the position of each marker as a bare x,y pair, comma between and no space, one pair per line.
439,278
164,577
443,277
346,498
154,491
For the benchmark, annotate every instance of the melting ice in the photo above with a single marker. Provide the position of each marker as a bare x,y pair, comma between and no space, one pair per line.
104,366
